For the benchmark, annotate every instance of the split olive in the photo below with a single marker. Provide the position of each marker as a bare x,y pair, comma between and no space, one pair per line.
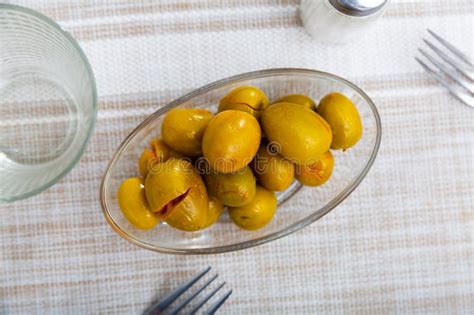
249,99
177,194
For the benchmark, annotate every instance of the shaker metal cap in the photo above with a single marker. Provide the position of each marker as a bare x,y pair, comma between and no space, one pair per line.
358,7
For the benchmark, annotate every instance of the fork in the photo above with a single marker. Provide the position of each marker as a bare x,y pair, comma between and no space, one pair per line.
162,305
455,70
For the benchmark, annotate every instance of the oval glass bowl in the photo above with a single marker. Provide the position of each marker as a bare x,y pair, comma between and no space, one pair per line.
298,206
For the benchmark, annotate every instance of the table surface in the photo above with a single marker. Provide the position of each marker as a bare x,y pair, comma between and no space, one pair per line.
401,243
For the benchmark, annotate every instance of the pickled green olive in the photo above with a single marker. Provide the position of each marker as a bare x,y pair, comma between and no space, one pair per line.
189,211
299,133
134,206
183,129
257,213
162,151
216,208
232,189
248,99
299,99
272,170
145,160
344,119
231,140
177,194
158,153
316,173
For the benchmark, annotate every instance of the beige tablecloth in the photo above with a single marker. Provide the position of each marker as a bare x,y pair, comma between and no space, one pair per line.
401,243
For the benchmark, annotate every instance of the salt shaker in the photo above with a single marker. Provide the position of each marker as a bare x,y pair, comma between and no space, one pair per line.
338,21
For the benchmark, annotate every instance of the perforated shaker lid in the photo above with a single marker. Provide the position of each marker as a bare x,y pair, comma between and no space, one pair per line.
358,7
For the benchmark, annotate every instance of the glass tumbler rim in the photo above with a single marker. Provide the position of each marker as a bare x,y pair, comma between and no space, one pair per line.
90,74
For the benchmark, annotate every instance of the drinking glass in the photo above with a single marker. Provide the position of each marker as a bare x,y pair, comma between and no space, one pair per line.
48,102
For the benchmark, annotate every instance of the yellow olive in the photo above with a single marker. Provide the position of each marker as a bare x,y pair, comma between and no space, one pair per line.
145,160
344,119
183,128
134,206
215,210
299,99
162,151
317,173
189,211
231,140
232,189
298,132
177,194
257,213
272,170
248,99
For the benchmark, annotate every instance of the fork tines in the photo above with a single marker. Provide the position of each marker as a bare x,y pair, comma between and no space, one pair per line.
452,68
160,306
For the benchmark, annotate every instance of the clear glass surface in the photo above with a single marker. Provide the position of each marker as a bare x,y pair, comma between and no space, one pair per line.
298,206
325,22
48,102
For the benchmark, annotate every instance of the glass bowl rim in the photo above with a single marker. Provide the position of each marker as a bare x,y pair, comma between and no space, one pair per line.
272,236
90,74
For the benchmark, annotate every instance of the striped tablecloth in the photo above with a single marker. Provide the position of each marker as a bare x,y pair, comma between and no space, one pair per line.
401,243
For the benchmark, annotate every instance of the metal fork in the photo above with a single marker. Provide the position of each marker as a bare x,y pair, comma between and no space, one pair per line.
160,307
452,68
